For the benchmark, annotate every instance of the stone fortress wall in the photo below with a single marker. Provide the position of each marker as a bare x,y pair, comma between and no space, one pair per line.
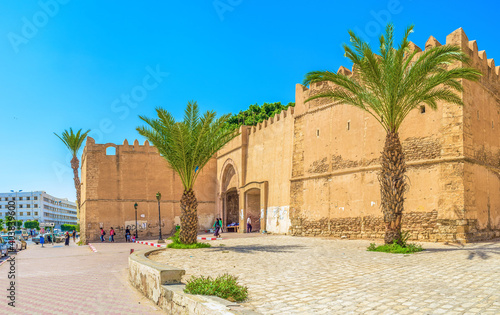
317,165
113,183
312,170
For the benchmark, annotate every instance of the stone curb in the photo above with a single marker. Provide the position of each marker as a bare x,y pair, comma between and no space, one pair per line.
162,284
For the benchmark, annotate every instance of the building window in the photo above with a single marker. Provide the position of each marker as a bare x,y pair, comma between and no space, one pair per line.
317,132
0,206
35,198
27,198
36,213
28,206
422,109
348,125
20,198
20,206
29,213
36,205
13,198
20,213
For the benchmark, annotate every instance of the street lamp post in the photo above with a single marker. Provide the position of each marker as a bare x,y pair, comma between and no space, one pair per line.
135,207
158,197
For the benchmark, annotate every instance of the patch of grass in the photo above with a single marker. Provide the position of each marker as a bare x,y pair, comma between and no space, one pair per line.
395,248
176,243
79,243
188,246
225,286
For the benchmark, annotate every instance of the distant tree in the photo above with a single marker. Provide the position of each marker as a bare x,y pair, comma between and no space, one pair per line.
73,142
256,114
32,225
68,227
187,146
1,224
19,223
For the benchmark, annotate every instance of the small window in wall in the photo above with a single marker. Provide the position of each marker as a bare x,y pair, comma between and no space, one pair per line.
492,125
20,206
477,115
349,125
422,109
110,151
317,132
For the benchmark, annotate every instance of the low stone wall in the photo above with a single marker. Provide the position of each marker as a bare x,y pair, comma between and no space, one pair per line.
423,226
162,284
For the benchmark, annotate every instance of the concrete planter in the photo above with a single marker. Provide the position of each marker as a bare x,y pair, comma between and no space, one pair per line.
162,284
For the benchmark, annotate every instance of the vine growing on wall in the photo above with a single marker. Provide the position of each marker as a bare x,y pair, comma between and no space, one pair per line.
256,114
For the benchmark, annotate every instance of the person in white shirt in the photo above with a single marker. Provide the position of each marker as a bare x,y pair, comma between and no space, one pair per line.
249,225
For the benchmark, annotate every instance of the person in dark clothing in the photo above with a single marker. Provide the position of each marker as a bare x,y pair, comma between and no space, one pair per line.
66,241
74,236
217,227
127,235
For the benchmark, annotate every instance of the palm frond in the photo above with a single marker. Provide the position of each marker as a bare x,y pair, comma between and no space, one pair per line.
390,84
187,145
73,141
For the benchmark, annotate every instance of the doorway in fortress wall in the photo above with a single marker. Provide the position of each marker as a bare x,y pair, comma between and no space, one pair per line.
231,206
252,206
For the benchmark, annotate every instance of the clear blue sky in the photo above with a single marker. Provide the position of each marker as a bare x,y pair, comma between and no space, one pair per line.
68,66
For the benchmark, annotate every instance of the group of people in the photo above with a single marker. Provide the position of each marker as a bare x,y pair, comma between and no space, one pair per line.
50,238
112,233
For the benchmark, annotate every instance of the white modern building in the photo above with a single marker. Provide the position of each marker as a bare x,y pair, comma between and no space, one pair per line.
39,206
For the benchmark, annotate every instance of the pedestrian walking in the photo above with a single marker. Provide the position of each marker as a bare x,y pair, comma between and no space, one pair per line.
102,234
42,239
216,227
221,226
112,235
74,236
127,234
249,225
66,241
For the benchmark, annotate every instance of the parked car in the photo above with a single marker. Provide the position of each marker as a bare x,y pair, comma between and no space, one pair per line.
4,250
13,242
36,239
24,245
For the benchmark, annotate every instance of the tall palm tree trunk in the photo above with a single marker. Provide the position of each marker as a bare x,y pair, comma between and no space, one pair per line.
75,164
392,186
189,217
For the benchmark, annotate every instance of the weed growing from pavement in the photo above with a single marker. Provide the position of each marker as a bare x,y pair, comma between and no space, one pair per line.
176,243
395,248
225,286
399,246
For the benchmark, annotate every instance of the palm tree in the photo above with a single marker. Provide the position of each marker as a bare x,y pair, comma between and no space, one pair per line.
388,86
187,146
73,142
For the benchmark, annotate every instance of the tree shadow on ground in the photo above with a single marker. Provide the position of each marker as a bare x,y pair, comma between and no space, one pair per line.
482,251
247,249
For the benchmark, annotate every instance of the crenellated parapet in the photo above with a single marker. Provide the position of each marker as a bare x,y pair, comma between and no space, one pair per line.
276,119
95,148
478,60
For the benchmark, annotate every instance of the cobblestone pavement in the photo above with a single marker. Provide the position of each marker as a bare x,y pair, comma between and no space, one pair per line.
295,275
59,279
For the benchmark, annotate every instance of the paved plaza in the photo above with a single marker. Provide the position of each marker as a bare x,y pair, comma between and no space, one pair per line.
297,275
59,279
285,275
